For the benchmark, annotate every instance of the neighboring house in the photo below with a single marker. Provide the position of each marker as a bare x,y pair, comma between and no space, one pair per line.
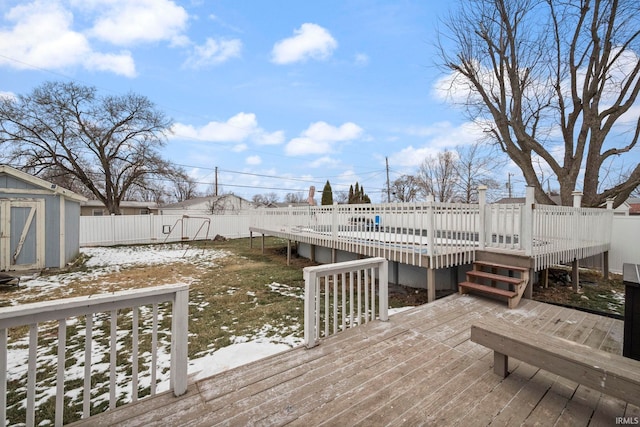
225,204
623,209
634,205
39,222
97,208
288,205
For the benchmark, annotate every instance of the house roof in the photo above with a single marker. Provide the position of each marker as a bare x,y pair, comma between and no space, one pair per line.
123,204
634,205
38,182
286,205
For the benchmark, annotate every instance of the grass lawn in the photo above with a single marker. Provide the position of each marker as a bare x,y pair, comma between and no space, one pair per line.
595,293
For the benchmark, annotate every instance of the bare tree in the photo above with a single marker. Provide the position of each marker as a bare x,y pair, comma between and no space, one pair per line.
437,176
221,204
265,199
553,80
295,198
474,168
341,197
184,186
108,144
405,189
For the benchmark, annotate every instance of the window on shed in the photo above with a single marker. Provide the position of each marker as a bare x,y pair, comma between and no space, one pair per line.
98,212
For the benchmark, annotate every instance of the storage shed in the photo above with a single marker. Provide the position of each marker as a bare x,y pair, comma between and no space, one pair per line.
39,222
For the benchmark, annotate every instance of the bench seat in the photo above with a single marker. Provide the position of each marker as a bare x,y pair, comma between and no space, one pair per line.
608,373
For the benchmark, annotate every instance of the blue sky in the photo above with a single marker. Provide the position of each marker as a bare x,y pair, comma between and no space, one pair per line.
279,95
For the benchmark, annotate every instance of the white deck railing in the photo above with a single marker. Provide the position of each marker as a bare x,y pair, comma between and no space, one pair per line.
61,311
344,295
563,233
447,234
398,231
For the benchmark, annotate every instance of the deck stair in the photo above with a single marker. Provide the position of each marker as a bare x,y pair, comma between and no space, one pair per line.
506,282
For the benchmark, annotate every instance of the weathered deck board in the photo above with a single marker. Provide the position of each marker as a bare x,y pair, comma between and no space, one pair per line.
418,368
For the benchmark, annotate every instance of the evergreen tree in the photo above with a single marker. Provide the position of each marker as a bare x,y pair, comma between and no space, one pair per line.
357,195
327,194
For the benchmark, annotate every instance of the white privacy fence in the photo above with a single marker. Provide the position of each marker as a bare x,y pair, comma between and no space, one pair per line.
344,295
135,229
67,312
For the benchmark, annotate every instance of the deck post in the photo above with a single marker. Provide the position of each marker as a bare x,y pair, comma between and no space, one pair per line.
334,222
312,252
527,221
431,285
383,291
288,251
528,291
263,243
577,199
310,327
179,343
430,234
482,202
250,239
575,275
605,255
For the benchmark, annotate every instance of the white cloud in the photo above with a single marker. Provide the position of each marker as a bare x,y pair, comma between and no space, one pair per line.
239,148
446,135
119,64
326,132
438,137
361,59
320,137
239,128
310,41
8,95
411,156
126,23
253,160
213,52
325,161
41,36
274,138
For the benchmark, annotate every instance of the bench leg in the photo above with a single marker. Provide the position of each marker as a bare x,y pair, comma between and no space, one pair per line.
500,364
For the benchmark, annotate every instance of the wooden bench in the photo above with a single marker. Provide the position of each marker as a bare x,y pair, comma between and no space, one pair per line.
608,373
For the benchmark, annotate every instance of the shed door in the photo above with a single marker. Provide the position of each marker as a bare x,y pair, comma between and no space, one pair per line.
22,234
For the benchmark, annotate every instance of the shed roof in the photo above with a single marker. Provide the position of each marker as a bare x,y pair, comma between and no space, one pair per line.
38,182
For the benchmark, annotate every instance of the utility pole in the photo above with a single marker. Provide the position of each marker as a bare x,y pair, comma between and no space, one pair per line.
386,159
509,183
215,190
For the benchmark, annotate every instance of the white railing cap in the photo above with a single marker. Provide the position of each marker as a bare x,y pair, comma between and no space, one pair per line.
344,266
57,309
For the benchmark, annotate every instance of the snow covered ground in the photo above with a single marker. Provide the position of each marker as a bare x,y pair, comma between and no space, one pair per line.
103,261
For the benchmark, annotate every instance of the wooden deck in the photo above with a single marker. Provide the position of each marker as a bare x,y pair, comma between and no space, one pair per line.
420,368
